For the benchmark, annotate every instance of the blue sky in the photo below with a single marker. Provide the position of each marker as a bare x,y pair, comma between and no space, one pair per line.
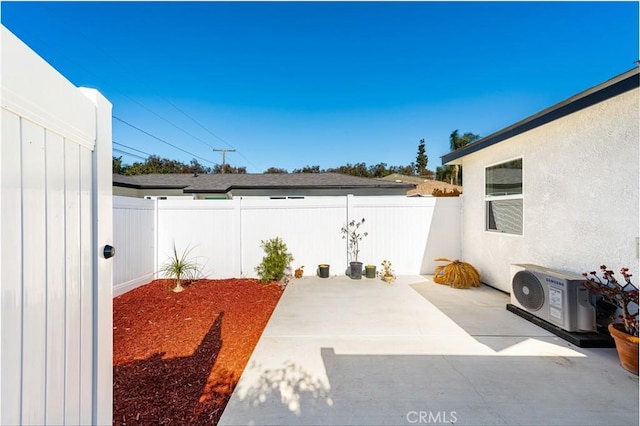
290,84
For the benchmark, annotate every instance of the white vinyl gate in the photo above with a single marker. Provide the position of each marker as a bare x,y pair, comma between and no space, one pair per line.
55,221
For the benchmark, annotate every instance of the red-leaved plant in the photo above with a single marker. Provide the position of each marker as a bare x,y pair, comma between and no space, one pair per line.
624,297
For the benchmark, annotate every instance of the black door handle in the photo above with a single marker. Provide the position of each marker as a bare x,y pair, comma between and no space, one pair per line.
109,251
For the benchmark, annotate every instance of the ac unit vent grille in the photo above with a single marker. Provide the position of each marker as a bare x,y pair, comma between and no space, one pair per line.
528,290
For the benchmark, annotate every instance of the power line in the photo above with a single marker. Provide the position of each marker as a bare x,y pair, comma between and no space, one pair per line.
134,149
169,121
209,131
128,154
150,110
160,139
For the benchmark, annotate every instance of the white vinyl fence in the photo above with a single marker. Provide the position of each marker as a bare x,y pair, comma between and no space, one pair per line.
224,236
55,220
135,240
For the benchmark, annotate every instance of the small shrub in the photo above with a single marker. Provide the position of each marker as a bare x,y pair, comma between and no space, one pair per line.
275,260
180,268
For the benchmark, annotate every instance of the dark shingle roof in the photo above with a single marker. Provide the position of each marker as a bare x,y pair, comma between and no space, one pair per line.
222,183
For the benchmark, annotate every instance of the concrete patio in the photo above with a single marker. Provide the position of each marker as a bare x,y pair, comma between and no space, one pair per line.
345,352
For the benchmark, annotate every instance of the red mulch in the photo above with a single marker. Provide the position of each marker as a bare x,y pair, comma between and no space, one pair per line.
178,356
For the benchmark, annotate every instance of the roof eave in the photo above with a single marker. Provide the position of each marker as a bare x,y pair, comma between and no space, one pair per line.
609,89
294,187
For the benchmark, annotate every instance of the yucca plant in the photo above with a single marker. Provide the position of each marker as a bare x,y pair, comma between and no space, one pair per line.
457,274
180,268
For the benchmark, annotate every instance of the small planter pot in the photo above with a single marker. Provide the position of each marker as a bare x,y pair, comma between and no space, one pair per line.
388,278
627,347
355,270
370,271
323,271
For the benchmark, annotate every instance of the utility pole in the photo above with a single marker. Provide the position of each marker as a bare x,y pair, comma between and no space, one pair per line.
224,155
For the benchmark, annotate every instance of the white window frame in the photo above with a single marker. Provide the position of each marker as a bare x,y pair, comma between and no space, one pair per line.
489,198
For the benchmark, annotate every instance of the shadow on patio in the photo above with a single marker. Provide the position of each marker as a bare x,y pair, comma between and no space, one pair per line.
339,352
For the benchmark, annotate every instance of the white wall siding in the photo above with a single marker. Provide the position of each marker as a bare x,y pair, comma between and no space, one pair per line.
225,235
48,223
309,227
208,228
134,263
580,188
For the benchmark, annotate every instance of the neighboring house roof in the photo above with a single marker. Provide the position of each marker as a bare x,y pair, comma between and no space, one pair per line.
422,186
223,183
609,89
397,177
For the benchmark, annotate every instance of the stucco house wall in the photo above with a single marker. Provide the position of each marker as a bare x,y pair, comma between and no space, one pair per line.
580,187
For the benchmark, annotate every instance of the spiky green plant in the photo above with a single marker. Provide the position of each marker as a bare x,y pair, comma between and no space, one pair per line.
179,267
275,260
457,274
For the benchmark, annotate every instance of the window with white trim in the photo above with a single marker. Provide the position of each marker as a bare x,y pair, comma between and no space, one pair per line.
503,197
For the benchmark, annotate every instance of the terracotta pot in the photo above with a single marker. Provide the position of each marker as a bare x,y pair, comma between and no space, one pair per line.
388,278
627,347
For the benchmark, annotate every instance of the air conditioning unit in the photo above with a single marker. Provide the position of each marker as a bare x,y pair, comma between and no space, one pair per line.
553,296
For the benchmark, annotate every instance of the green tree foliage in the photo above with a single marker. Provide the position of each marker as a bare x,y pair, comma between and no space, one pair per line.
275,170
421,159
308,169
358,169
117,165
229,169
155,164
456,142
445,174
275,260
379,170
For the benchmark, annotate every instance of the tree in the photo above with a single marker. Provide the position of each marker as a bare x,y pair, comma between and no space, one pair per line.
275,170
308,169
229,169
117,165
403,170
155,164
196,167
358,169
379,170
421,159
444,173
456,142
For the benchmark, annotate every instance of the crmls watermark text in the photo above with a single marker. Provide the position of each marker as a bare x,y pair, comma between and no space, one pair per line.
432,417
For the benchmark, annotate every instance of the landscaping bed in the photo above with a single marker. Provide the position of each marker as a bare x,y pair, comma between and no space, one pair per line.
178,356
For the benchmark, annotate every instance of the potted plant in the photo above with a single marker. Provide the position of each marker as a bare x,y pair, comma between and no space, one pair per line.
370,271
624,321
387,274
457,274
323,270
352,234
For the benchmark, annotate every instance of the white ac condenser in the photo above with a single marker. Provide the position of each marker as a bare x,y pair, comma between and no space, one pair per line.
553,296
